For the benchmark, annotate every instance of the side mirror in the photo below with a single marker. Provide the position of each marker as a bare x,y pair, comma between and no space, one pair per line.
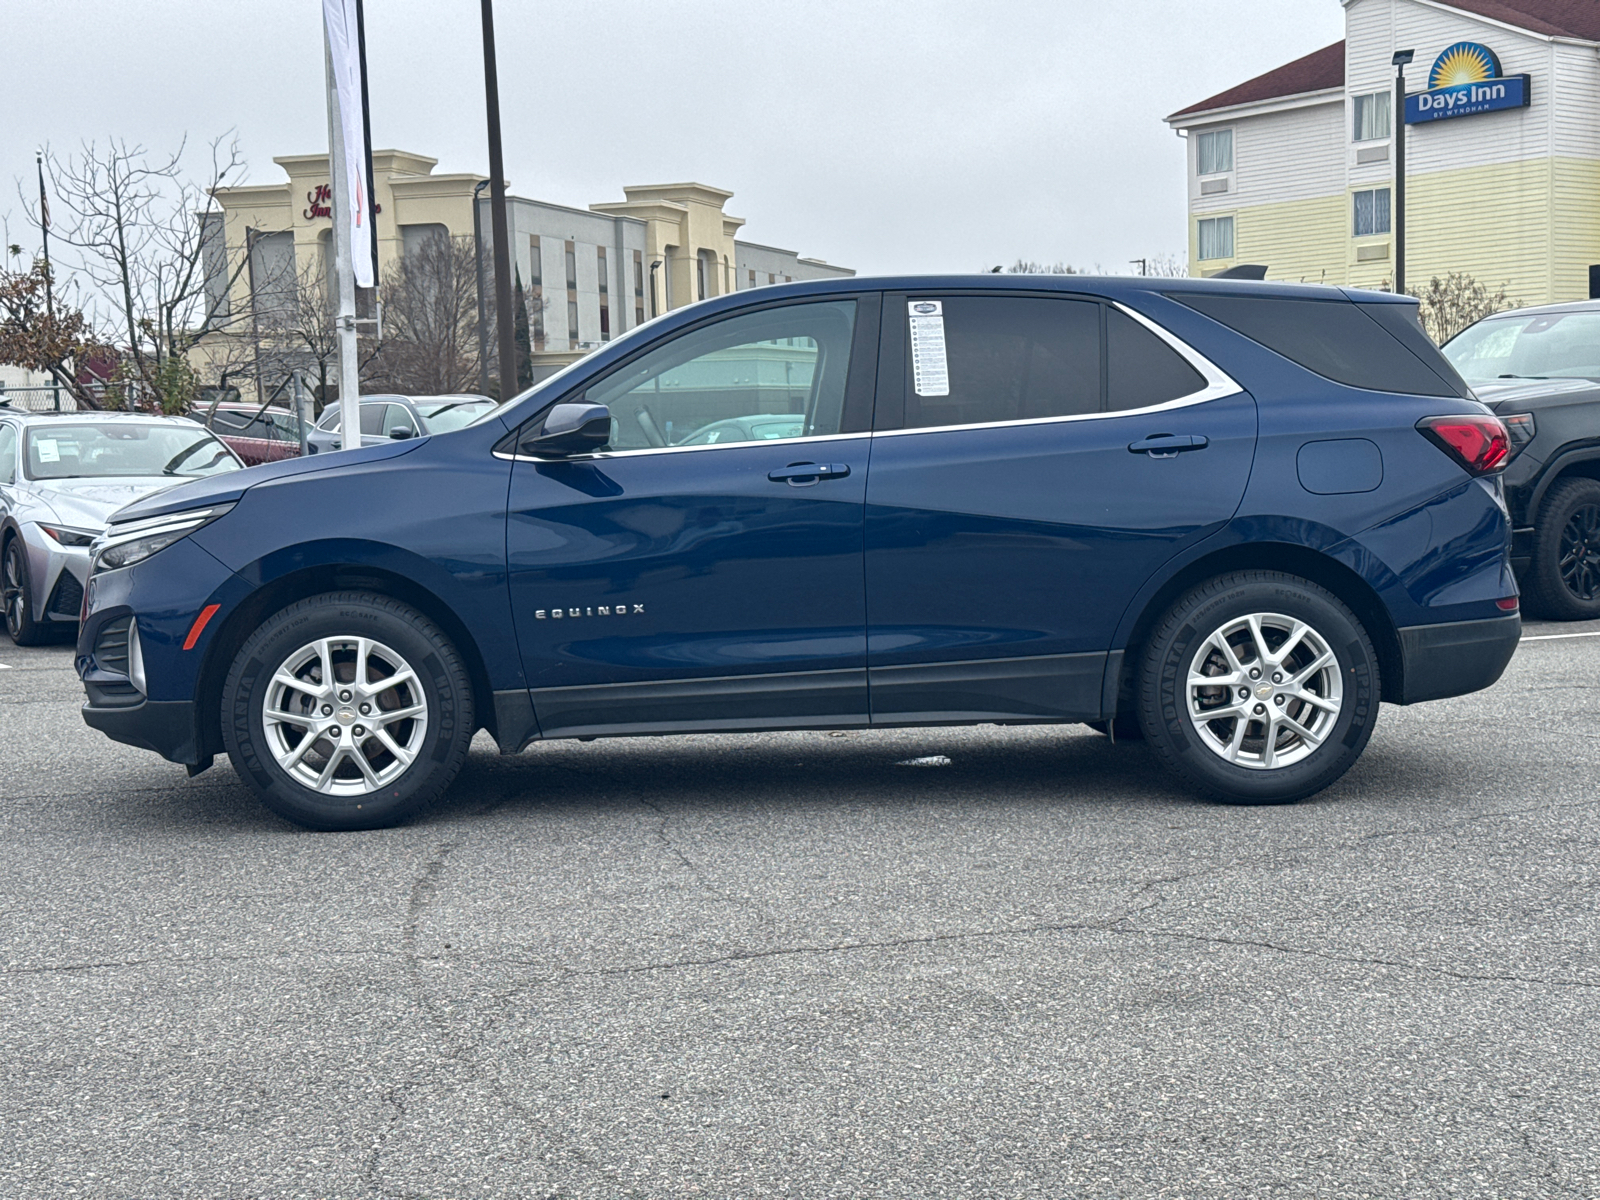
570,429
400,432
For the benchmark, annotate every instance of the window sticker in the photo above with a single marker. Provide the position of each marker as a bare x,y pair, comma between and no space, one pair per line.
929,368
47,450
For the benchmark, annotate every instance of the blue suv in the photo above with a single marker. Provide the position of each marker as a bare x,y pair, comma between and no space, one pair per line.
1228,517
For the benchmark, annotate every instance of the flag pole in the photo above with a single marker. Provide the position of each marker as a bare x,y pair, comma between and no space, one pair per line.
44,233
497,213
345,319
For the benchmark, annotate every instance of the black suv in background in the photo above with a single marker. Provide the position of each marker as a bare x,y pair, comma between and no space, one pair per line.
1539,370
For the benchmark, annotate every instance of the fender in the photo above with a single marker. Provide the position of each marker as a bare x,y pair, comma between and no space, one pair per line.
1588,451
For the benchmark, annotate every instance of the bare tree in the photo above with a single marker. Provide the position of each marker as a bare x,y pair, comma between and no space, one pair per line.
139,227
1449,305
430,322
1024,266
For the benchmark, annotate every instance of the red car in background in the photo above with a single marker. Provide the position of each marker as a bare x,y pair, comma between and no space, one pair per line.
257,435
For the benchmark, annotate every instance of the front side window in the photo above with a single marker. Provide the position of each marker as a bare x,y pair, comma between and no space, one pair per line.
764,376
373,418
1001,358
1214,152
8,454
1372,120
1216,237
1372,212
125,448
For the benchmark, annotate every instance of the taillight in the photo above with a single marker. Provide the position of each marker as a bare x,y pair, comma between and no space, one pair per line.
1479,444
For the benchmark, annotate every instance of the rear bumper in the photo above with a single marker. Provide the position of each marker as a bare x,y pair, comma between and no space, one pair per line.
1456,658
166,726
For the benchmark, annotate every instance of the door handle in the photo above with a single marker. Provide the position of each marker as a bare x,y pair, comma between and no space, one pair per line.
808,472
1168,445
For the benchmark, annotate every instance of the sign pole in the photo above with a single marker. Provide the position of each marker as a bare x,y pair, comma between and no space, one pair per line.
345,319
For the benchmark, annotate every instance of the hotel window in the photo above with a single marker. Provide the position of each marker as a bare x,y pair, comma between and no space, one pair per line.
1216,237
752,279
1214,152
1372,212
605,294
1372,119
572,295
536,291
638,288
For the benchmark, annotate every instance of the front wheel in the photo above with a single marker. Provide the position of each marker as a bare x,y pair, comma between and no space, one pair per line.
20,622
347,711
1259,688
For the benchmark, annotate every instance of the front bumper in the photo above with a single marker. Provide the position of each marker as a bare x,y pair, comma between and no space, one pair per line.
168,727
1438,661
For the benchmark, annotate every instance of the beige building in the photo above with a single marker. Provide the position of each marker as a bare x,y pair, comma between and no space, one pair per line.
591,274
1294,169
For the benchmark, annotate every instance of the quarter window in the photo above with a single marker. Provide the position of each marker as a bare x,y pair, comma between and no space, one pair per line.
8,454
1372,119
1214,152
764,376
1141,369
1372,212
1216,237
1010,358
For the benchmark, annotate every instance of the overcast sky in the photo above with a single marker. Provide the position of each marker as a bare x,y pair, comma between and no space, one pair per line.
887,135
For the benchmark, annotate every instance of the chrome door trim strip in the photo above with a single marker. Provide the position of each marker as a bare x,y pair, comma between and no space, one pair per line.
603,454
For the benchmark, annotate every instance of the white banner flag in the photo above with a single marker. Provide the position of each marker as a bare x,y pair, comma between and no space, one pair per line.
344,45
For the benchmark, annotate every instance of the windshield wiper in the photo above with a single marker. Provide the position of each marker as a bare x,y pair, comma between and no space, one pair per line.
1522,377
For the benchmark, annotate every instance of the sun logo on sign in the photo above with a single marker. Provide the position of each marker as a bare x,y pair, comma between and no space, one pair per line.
1465,62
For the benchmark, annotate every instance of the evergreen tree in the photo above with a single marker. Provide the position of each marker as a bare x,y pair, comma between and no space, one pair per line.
524,338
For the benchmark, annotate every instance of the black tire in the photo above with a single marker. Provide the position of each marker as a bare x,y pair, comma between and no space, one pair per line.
443,689
1207,611
14,587
1563,580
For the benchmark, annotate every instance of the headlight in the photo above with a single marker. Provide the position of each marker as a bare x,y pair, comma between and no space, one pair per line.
134,541
66,536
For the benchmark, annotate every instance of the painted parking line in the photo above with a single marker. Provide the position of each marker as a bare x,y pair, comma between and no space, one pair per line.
1551,637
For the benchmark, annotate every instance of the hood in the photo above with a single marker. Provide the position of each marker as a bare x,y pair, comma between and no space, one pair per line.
1511,395
89,503
222,489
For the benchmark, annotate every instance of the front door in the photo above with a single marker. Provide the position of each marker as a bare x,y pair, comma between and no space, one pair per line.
704,571
1011,515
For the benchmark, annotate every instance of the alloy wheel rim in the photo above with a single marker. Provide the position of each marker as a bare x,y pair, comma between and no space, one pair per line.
1264,691
13,595
345,716
1580,553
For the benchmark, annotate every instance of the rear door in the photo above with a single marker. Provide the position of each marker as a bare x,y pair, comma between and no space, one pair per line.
1037,458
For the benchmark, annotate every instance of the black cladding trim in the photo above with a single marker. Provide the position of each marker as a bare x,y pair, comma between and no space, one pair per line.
1052,687
1453,659
793,700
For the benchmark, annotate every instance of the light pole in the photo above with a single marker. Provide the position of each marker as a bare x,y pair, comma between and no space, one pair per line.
1401,58
497,205
483,314
654,263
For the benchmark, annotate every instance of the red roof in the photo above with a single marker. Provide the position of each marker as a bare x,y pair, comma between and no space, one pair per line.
1554,18
1323,69
1316,72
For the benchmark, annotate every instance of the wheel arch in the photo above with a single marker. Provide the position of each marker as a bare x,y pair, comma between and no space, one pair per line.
311,581
1355,592
1583,462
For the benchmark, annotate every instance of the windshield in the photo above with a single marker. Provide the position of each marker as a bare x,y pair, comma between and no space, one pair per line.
1545,346
91,450
456,414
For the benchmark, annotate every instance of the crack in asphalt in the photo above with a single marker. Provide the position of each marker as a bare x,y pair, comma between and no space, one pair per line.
694,869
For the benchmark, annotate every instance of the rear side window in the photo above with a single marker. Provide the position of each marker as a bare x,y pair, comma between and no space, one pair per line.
1142,370
1333,338
1007,358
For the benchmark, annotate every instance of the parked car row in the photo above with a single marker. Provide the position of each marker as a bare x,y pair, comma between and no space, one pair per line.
261,433
1228,517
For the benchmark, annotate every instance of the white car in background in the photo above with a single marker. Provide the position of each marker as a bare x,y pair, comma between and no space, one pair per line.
61,476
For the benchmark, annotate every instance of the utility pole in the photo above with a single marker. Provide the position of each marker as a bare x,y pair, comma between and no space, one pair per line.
1401,58
483,309
497,205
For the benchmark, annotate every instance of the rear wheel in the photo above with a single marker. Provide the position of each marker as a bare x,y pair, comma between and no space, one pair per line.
347,711
1259,688
1564,578
24,630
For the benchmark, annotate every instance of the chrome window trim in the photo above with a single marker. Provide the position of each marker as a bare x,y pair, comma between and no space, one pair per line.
819,437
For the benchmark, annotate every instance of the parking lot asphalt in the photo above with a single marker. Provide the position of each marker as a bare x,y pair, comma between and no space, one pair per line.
793,966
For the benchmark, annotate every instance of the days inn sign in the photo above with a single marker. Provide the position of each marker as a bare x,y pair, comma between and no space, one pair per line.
1465,81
